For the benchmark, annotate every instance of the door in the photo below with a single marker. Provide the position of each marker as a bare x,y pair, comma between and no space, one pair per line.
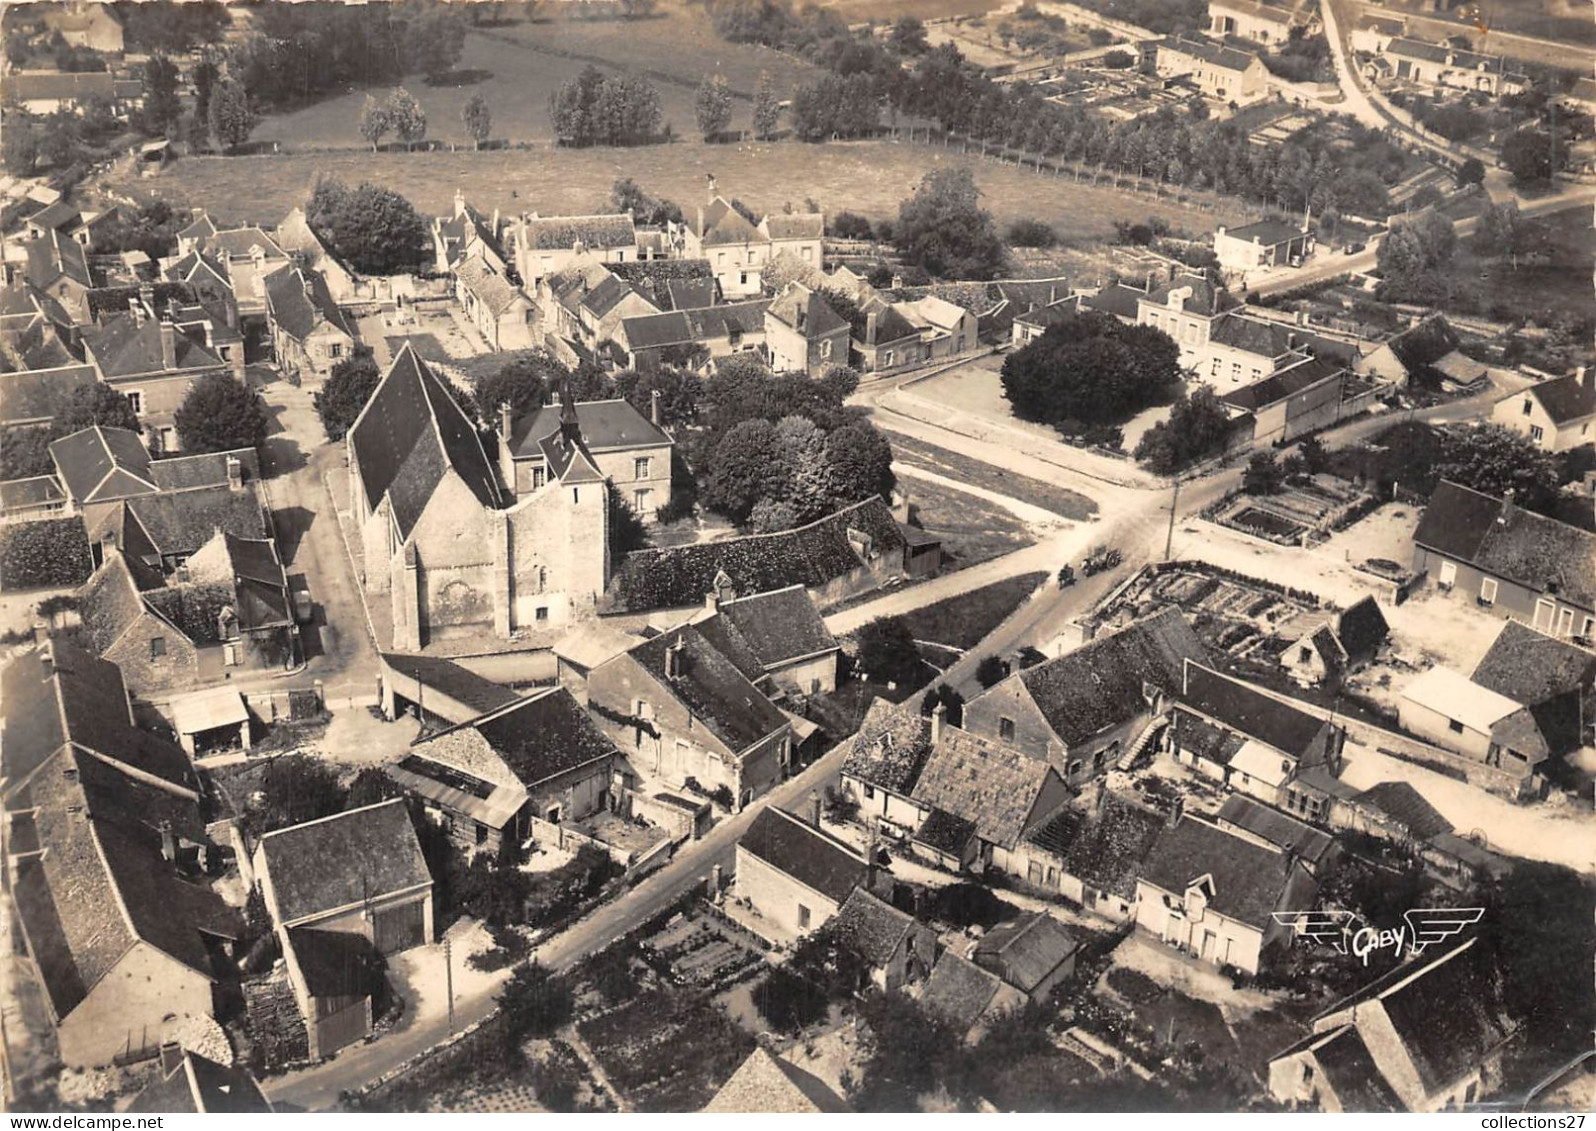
1565,622
1544,611
399,928
1448,576
1208,946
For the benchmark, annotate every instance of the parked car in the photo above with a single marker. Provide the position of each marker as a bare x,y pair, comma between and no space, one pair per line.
1100,560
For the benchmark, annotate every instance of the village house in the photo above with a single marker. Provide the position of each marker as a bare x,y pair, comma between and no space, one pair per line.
343,892
794,873
1186,309
1396,812
1027,327
1218,72
1092,853
803,334
631,451
789,648
1318,850
1427,354
1213,894
251,255
42,93
209,280
1448,709
30,398
436,691
1555,415
90,25
1242,349
1254,20
58,266
946,328
296,237
586,305
1441,66
765,1084
896,947
502,314
682,710
534,762
695,337
883,339
738,249
1263,244
1512,562
467,232
671,284
1372,34
309,333
1033,953
546,245
1256,744
1427,1036
1306,396
968,996
107,846
1552,677
1095,708
1121,300
185,1082
435,535
1347,641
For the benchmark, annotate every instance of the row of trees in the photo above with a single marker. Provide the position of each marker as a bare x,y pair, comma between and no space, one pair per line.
598,109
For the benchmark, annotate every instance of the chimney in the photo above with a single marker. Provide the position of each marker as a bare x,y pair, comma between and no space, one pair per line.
147,296
459,201
235,473
1507,508
710,177
712,602
168,842
570,426
1302,317
653,408
168,345
505,421
814,808
1175,812
673,659
939,719
897,282
803,318
715,882
1586,376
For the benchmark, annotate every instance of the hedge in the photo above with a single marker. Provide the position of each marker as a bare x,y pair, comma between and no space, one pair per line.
53,553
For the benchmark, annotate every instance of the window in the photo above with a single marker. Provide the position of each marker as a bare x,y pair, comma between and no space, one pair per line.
1537,433
886,360
734,337
541,615
720,259
1589,626
1529,406
1214,370
135,401
1006,729
482,833
1456,727
743,278
803,917
576,494
336,349
640,502
870,792
537,477
1488,591
1305,655
1075,767
640,468
825,348
1235,371
814,684
157,647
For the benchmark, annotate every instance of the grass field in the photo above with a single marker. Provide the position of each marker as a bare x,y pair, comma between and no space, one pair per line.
962,622
1059,500
516,68
1552,279
870,177
972,529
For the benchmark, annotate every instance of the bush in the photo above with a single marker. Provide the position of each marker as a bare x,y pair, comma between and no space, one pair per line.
218,415
1031,233
991,670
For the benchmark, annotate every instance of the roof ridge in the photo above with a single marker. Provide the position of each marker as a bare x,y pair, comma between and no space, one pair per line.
332,817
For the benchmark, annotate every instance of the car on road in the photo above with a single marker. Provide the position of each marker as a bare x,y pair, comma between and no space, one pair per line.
1353,248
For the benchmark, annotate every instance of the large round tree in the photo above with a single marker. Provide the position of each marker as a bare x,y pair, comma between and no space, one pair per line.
219,415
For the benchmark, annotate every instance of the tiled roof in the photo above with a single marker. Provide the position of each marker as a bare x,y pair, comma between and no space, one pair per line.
61,86
1361,628
1399,800
1351,1072
873,928
1107,851
335,964
1205,297
1214,54
720,223
299,312
606,426
240,243
1280,829
1044,316
656,331
1026,950
805,311
814,858
890,748
53,256
343,860
1567,399
109,603
945,832
1104,682
1248,711
1117,299
32,396
766,1085
993,786
779,626
890,324
1530,667
492,289
542,736
1425,343
565,232
1404,48
960,990
1247,879
409,435
794,225
180,522
712,688
1202,739
206,469
124,348
448,678
192,1083
38,490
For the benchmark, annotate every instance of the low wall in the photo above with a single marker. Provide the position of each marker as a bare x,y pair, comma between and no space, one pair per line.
683,818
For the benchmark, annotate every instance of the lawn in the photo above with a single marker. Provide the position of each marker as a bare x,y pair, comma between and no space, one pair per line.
1059,500
964,621
869,177
1552,279
973,530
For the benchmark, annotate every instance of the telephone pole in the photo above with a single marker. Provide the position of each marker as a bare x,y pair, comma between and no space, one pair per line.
448,981
1174,506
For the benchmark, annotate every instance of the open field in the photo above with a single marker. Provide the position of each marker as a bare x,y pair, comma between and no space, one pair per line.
1059,500
1552,280
1564,22
517,68
962,622
973,530
870,177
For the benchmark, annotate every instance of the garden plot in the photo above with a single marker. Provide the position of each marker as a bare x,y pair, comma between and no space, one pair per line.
667,1050
699,952
1297,509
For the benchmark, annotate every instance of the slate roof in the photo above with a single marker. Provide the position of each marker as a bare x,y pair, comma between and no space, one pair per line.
890,324
411,433
449,678
1424,343
193,1083
1248,879
1530,667
1361,628
890,748
238,243
607,426
1399,800
341,861
805,311
1566,399
60,86
1268,232
794,225
180,522
1044,316
52,256
872,927
1297,377
779,626
1351,1072
1534,551
541,736
1108,847
814,858
1402,47
993,786
960,990
123,348
299,313
37,490
1206,297
945,832
1117,299
767,1085
1102,683
99,463
32,396
109,603
808,555
1026,950
1249,711
564,232
710,686
720,223
1214,54
1280,829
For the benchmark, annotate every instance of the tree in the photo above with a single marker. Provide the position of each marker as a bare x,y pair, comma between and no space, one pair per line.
1091,369
377,231
20,144
1471,172
678,391
1031,233
1499,232
1263,475
293,790
203,75
626,530
1415,259
371,787
434,43
858,463
218,415
943,228
887,653
849,226
1495,461
1313,455
535,1002
806,471
908,36
343,396
771,516
408,118
1198,426
524,382
991,670
914,1053
231,119
767,107
375,123
944,696
94,404
626,195
1528,155
25,453
161,105
742,471
478,119
712,106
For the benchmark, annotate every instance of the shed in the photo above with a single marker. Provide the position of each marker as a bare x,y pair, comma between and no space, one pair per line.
206,713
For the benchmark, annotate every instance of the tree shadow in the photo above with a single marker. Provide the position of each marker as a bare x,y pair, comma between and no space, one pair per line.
291,525
468,76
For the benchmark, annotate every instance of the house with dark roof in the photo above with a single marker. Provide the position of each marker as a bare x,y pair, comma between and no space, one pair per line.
1304,396
803,334
884,339
1395,811
339,889
1121,300
58,266
539,757
209,278
1256,20
793,651
1251,819
106,849
682,709
854,550
1426,353
30,398
1552,677
1511,561
1442,66
1217,71
252,255
692,338
1272,242
468,232
1213,894
186,1082
1447,709
1427,1036
1256,743
793,873
631,450
1243,348
495,305
738,248
1033,953
1091,853
588,305
947,328
312,255
1555,415
1326,653
437,690
309,333
1186,309
967,995
883,764
766,1084
545,245
1089,710
42,93
1032,324
436,537
896,947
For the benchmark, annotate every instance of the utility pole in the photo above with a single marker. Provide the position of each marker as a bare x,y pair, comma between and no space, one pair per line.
448,980
1174,505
